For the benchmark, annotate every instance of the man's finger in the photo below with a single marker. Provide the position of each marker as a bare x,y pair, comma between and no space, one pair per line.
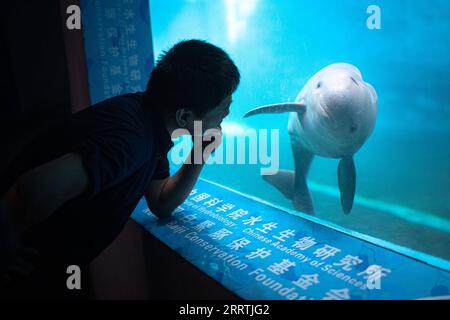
6,281
27,251
19,270
23,264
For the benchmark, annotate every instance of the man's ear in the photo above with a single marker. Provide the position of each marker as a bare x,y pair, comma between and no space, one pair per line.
184,117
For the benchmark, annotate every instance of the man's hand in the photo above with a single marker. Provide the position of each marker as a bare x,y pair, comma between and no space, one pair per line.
16,261
212,139
31,199
163,196
17,264
205,145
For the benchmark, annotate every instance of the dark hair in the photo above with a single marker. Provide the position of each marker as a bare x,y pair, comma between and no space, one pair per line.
192,74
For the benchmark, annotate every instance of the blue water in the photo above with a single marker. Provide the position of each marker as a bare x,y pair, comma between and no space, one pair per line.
403,170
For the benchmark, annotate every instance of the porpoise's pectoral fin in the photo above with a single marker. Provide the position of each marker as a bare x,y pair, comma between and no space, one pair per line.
302,200
347,183
283,180
278,108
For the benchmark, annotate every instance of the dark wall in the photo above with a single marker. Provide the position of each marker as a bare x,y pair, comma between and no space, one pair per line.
35,54
34,85
171,277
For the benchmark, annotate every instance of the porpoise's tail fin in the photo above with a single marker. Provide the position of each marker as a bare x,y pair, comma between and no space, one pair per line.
283,180
278,108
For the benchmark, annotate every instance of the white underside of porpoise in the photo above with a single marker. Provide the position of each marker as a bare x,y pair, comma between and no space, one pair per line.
332,116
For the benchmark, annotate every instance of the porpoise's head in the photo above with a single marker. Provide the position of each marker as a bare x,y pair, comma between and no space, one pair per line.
342,105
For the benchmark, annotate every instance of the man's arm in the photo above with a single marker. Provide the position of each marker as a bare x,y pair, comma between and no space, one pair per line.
41,191
164,196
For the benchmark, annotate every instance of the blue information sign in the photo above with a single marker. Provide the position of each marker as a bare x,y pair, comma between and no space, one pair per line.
118,46
260,252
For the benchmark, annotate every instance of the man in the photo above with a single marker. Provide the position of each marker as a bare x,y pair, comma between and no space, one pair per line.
71,192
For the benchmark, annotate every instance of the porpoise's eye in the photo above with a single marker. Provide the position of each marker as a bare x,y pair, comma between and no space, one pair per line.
353,128
319,84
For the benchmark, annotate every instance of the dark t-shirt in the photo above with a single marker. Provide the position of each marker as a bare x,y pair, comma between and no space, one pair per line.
123,144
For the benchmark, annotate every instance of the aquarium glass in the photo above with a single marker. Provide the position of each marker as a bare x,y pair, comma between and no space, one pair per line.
403,169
